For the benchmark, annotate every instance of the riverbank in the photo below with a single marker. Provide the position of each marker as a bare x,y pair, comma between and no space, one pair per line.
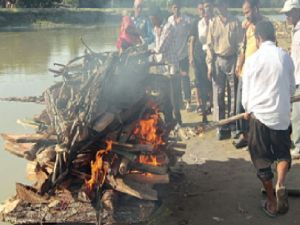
48,18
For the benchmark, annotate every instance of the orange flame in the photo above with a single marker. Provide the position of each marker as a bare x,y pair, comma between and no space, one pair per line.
147,130
149,160
98,171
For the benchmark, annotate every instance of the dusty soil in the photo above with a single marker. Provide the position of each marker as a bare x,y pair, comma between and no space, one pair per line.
219,186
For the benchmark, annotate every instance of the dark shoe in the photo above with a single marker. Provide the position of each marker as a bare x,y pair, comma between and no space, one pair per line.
241,143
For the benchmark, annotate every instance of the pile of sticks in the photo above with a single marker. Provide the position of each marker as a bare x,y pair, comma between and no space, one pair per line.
95,112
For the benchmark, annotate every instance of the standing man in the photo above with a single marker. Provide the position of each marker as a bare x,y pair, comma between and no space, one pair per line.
292,10
197,56
182,26
223,41
252,17
142,23
268,84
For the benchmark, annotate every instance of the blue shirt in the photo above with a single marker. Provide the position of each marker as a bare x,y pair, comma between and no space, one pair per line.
144,26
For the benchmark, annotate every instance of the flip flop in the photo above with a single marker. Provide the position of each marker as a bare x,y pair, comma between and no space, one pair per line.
282,200
264,205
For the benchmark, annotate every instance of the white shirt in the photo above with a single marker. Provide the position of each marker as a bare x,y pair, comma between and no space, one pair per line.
268,84
202,31
295,52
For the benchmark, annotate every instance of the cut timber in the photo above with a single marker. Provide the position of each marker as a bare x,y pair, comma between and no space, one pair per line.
138,190
29,138
134,148
177,145
148,178
18,149
161,170
103,122
28,194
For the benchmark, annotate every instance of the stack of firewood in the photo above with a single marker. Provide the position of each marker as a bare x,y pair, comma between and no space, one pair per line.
102,137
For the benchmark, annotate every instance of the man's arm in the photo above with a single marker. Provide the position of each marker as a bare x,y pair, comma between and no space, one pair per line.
246,88
210,52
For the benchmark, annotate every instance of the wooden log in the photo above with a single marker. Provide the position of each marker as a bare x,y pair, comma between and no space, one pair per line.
161,170
28,194
32,99
103,122
148,178
29,138
177,145
19,149
138,190
133,148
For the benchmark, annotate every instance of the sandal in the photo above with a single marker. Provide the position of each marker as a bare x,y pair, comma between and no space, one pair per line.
264,205
282,200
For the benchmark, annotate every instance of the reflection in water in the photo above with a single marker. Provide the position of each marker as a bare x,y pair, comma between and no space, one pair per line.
24,61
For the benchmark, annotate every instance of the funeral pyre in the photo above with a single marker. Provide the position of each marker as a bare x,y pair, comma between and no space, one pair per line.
101,144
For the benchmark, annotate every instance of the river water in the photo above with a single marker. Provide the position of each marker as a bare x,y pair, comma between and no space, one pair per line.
25,57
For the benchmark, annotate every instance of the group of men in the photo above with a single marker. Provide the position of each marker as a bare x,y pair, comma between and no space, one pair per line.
238,66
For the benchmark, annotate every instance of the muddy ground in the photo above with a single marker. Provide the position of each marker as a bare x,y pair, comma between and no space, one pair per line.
219,186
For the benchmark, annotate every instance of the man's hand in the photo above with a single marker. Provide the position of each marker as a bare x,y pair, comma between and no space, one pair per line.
238,70
246,116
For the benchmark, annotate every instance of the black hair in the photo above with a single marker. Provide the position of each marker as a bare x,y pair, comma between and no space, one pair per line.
265,30
253,3
175,2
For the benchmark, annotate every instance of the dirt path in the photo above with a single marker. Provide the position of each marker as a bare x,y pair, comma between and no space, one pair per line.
219,186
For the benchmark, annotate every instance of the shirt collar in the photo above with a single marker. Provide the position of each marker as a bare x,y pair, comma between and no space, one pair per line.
267,43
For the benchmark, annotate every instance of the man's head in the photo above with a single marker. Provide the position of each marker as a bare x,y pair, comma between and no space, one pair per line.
175,6
222,6
264,31
200,9
155,16
208,8
291,9
251,10
138,7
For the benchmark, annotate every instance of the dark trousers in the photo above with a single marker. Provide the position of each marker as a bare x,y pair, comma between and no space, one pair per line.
267,145
185,80
203,85
224,76
175,88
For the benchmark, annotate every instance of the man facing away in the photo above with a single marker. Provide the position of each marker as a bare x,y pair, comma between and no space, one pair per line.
268,84
248,47
223,41
292,11
197,56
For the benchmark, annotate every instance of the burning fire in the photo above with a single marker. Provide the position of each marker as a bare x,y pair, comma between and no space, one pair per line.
147,131
98,170
149,160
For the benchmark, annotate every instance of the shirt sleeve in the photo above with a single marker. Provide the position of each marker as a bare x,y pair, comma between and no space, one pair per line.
245,88
165,39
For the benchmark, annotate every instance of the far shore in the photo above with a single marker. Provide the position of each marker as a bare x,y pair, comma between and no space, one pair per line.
63,17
